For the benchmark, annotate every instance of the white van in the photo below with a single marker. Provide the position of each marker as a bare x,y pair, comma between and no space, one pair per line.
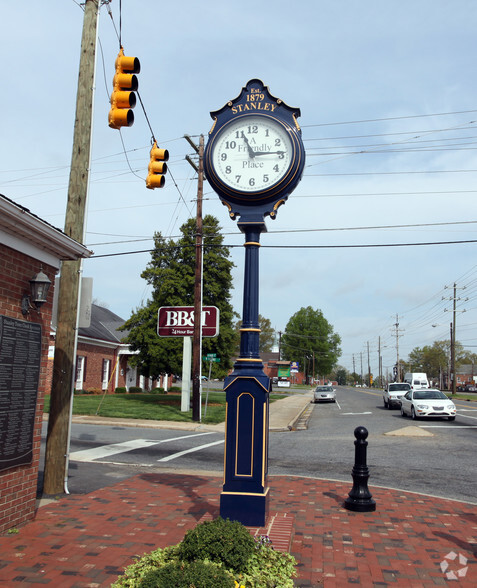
416,380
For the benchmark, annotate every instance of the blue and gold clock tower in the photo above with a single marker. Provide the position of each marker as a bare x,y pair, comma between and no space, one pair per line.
254,159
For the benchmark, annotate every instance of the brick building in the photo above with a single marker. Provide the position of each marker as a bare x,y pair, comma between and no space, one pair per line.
101,359
28,245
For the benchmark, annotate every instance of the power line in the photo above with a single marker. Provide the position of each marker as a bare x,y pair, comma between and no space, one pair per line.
134,238
352,122
307,247
394,173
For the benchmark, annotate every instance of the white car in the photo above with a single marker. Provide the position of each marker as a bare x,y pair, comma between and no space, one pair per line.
394,392
324,394
427,402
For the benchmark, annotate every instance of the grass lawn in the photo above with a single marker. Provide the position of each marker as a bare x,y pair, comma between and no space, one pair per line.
461,396
158,407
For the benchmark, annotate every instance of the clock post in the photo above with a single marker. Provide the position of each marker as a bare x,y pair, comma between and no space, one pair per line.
254,159
245,493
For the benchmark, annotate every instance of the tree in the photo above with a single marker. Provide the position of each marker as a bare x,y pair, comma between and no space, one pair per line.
341,375
267,334
171,273
434,359
309,337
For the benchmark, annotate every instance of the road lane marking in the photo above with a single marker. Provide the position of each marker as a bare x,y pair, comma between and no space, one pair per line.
186,451
448,426
115,448
466,416
355,413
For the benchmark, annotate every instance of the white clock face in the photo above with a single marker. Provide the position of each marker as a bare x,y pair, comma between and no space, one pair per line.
252,153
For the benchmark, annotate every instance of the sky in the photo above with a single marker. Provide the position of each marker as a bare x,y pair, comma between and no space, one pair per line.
383,222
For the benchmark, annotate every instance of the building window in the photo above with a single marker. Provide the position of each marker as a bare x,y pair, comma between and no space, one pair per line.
80,371
106,371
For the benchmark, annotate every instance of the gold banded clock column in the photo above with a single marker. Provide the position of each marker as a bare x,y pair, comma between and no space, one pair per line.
245,491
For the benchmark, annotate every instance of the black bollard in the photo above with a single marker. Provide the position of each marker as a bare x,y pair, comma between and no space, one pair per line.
360,498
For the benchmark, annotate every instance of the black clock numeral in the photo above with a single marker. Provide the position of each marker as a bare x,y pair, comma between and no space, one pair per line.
265,178
281,155
228,169
252,129
251,182
278,142
230,144
275,168
223,156
237,179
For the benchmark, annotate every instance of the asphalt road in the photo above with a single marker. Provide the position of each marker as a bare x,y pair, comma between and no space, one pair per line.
442,463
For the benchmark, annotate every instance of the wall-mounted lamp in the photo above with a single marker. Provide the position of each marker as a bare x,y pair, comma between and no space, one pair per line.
39,287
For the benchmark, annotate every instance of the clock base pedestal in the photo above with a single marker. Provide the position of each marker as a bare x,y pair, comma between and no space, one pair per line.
244,497
249,509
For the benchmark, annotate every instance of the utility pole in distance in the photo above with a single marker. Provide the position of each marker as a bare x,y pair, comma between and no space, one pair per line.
197,338
398,369
452,335
55,476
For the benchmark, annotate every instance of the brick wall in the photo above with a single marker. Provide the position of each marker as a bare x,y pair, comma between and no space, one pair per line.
18,485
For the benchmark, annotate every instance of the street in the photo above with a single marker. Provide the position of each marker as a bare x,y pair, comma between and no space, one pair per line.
442,463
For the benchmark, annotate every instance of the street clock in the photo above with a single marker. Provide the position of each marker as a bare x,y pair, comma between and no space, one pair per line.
255,156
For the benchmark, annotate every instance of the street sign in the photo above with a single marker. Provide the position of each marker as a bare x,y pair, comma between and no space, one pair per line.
178,321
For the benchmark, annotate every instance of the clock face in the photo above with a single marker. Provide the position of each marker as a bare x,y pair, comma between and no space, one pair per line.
252,153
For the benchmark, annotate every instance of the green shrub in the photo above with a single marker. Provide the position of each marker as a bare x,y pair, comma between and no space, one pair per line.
264,568
221,541
121,390
135,390
157,391
175,389
198,574
268,568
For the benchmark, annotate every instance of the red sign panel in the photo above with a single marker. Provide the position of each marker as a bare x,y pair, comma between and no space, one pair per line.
178,321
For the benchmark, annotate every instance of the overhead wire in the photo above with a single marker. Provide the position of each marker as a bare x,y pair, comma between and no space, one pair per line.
409,116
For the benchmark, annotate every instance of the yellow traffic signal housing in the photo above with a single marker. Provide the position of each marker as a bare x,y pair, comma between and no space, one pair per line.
157,167
123,98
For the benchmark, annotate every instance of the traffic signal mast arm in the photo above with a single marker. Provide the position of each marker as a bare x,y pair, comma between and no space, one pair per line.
123,98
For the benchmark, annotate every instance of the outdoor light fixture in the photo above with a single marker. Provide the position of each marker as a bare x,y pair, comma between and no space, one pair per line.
39,287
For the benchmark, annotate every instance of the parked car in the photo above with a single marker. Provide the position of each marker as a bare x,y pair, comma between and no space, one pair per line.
324,394
393,392
427,402
470,388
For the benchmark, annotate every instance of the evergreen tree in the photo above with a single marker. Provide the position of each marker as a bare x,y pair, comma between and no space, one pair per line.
171,274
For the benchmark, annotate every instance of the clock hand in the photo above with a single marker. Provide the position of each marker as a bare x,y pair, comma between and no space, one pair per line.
251,152
268,153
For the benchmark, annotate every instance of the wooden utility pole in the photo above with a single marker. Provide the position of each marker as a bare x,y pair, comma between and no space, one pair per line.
454,312
369,368
197,338
56,457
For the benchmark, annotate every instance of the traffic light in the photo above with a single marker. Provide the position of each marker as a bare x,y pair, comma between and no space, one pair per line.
157,167
123,98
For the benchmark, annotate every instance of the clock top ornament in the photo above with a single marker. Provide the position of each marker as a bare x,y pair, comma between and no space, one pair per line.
255,156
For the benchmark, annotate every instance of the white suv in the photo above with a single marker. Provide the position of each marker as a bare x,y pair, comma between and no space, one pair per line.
393,392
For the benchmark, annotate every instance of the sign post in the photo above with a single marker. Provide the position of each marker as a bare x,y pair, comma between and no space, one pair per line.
178,321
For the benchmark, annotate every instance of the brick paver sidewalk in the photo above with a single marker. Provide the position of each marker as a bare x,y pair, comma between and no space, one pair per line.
87,540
